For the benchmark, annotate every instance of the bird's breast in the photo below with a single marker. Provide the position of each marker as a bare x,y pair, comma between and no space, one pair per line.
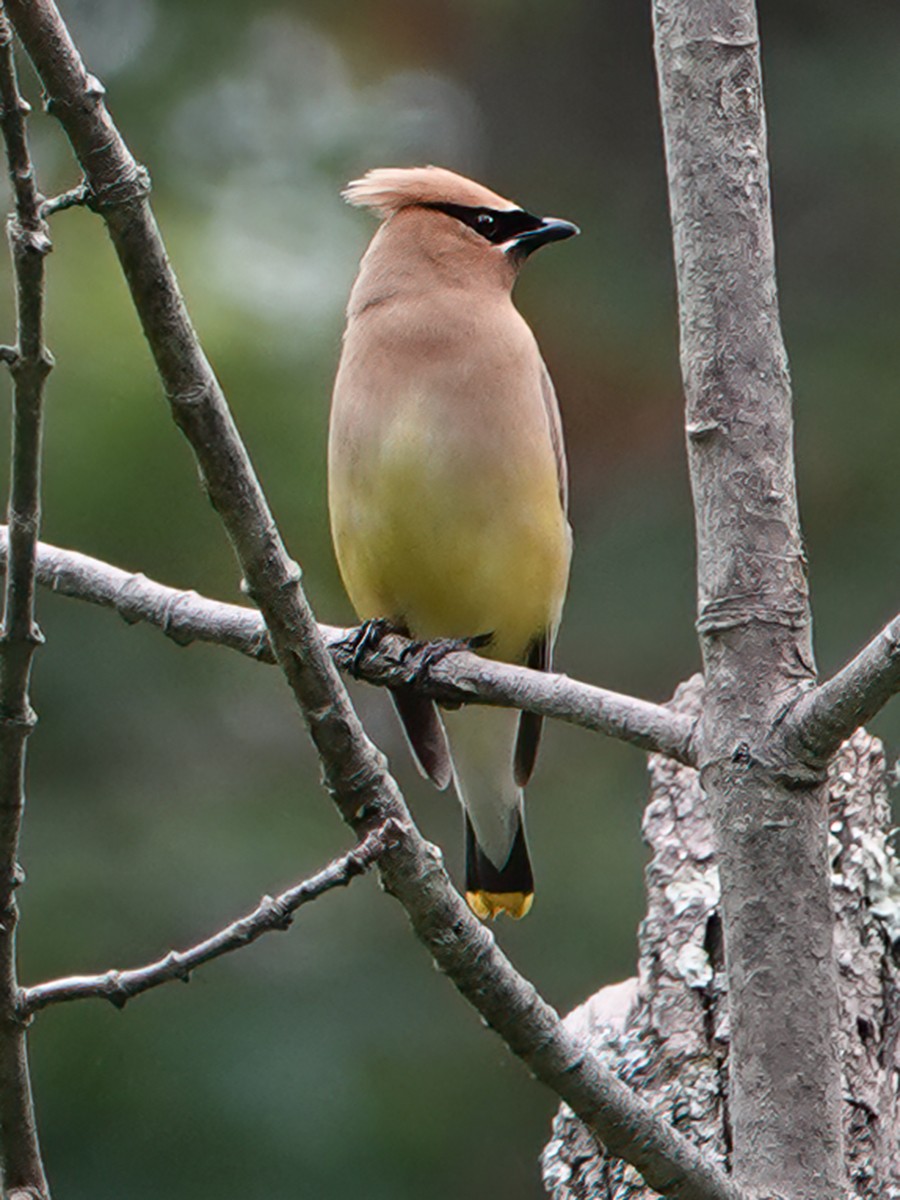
444,497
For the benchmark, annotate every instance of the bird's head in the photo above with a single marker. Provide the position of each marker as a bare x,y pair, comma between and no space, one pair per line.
433,215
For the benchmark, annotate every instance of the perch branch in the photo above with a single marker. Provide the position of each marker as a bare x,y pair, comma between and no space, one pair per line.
29,363
830,713
271,914
354,770
186,617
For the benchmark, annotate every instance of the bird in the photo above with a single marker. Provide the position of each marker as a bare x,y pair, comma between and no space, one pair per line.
447,483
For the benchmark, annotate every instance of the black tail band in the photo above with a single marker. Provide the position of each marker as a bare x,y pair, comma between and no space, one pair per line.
513,876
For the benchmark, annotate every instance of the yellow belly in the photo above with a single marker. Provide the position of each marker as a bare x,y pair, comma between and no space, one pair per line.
451,535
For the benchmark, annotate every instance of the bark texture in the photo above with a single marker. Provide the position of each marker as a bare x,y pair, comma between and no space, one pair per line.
667,1032
767,798
29,363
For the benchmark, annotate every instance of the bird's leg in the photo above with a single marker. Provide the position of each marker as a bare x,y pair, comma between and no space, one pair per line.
366,638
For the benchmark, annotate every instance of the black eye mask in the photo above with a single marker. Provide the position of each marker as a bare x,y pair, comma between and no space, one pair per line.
493,225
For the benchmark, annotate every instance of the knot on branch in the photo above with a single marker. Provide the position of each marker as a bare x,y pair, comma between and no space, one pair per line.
200,395
29,236
132,186
171,626
21,1013
123,600
274,910
93,90
36,367
21,722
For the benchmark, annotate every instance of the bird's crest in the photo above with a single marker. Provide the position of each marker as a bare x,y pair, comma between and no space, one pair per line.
388,189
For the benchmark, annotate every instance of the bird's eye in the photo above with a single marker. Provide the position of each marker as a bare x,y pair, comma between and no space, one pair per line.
485,224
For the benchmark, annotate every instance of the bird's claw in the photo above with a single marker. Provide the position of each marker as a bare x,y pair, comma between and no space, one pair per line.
363,640
428,654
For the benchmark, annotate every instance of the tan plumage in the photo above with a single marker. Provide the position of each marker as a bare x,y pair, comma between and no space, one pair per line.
447,480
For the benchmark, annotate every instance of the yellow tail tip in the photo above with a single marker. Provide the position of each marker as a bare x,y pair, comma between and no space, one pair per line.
490,904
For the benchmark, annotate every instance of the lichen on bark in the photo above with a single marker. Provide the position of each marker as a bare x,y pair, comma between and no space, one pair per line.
666,1031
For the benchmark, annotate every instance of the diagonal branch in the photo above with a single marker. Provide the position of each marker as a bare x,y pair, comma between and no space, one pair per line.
29,363
831,712
271,914
461,677
354,770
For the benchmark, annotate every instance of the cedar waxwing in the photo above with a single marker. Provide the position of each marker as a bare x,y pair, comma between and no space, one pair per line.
447,482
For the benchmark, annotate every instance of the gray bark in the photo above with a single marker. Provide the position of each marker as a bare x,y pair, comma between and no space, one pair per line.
29,363
767,798
667,1032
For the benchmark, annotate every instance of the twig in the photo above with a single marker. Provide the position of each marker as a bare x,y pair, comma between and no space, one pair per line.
23,1170
354,770
186,617
73,198
824,717
272,914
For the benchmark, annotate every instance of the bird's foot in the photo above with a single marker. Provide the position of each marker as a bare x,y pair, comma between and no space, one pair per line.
361,641
428,654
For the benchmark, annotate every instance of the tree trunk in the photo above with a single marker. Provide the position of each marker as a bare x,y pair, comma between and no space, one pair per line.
666,1033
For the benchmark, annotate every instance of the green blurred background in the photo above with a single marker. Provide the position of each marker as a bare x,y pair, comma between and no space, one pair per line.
169,788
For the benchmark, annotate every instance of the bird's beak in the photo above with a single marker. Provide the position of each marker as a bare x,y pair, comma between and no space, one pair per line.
551,229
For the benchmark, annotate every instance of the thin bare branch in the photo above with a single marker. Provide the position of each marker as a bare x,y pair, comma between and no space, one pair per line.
355,771
23,1169
272,914
183,616
461,677
75,197
826,716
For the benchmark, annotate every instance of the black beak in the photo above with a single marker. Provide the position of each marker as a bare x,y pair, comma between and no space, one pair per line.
550,229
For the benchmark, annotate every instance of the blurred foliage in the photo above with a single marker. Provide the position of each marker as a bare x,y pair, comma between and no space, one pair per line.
169,788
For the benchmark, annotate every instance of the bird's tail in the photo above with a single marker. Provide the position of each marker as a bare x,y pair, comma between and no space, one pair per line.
498,870
492,890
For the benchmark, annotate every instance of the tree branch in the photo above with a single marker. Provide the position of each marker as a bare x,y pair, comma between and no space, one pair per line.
826,716
461,677
355,772
23,1170
270,915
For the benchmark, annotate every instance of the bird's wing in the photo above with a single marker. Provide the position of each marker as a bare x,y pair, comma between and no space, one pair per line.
425,733
529,736
551,407
540,655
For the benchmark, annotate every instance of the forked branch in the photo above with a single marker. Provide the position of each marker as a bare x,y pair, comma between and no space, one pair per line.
831,712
